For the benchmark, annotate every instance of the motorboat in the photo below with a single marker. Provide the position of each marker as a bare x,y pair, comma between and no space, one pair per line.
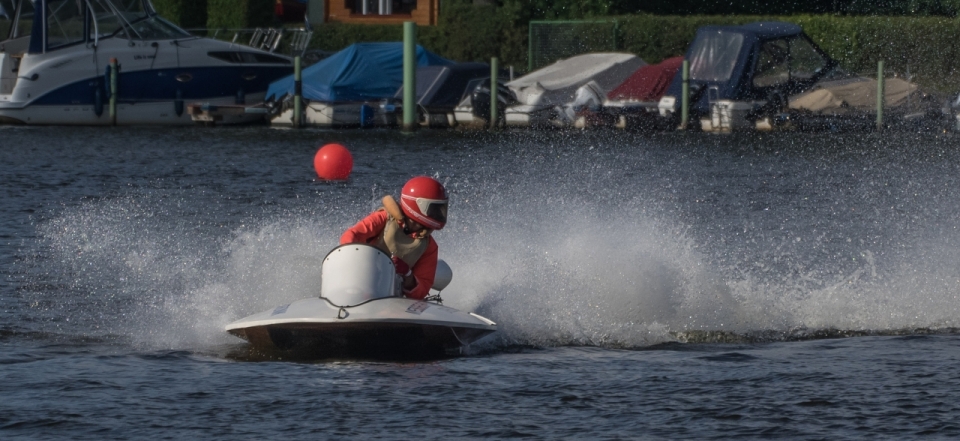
634,103
55,56
360,312
741,77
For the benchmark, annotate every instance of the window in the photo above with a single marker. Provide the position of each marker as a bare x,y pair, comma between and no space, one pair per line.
714,56
156,28
6,18
248,57
380,7
805,61
773,64
65,22
107,22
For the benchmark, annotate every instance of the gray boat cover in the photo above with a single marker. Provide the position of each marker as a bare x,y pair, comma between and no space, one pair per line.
557,83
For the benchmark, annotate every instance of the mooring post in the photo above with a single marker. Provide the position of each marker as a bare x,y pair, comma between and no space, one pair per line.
409,76
113,91
494,67
297,93
880,93
685,96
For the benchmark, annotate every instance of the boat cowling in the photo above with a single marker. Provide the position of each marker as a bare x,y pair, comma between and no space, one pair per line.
356,273
443,275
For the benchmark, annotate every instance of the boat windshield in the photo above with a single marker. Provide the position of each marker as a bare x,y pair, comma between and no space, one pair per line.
12,24
68,21
714,56
65,23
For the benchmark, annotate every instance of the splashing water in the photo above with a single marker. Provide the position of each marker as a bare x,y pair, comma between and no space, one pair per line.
561,245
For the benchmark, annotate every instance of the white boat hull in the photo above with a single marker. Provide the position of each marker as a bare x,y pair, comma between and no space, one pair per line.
321,114
382,328
140,113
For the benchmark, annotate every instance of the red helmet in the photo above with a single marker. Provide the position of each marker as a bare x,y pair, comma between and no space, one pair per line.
424,200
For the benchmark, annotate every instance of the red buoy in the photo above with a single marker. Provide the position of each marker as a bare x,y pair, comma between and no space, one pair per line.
333,162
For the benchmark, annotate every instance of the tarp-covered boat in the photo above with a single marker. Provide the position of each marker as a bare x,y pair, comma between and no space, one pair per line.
441,88
360,313
347,88
633,103
851,103
542,94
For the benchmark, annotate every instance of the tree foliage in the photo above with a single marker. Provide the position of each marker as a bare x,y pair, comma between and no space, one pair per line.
184,13
239,14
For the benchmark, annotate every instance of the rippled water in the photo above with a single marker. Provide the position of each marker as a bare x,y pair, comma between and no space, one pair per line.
800,286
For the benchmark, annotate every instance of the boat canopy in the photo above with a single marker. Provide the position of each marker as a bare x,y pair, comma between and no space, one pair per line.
557,83
758,61
442,87
69,22
362,71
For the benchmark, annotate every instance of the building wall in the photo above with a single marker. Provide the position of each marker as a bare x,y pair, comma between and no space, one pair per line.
424,15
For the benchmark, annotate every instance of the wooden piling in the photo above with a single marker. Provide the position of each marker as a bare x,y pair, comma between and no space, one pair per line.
297,93
685,96
494,67
880,95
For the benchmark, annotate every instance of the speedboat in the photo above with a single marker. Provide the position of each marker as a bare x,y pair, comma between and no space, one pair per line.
55,56
361,313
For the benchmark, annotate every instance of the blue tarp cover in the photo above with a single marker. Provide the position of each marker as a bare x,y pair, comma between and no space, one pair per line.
362,71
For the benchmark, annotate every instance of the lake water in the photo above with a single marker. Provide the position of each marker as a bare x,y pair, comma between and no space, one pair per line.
667,286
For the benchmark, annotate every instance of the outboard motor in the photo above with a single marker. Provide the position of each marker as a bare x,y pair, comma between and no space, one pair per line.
589,97
480,98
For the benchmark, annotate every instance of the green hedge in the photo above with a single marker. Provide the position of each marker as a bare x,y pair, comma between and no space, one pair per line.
579,9
927,47
190,14
240,14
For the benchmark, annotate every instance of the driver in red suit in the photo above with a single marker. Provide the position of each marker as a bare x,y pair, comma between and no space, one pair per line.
408,241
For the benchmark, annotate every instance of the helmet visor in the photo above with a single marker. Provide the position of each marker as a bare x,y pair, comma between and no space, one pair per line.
435,209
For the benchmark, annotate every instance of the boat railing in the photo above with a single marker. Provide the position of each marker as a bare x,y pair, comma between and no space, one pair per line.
291,41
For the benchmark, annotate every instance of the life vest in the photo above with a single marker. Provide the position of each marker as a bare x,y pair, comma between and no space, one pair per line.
395,243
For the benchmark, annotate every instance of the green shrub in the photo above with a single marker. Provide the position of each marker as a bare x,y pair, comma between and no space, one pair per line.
190,14
240,14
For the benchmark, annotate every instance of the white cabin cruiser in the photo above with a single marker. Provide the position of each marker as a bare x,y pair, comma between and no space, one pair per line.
55,56
360,313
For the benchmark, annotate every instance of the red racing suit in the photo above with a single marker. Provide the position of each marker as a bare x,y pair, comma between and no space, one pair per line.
368,231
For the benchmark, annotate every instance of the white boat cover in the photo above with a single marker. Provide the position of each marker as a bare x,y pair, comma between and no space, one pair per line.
557,84
853,95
